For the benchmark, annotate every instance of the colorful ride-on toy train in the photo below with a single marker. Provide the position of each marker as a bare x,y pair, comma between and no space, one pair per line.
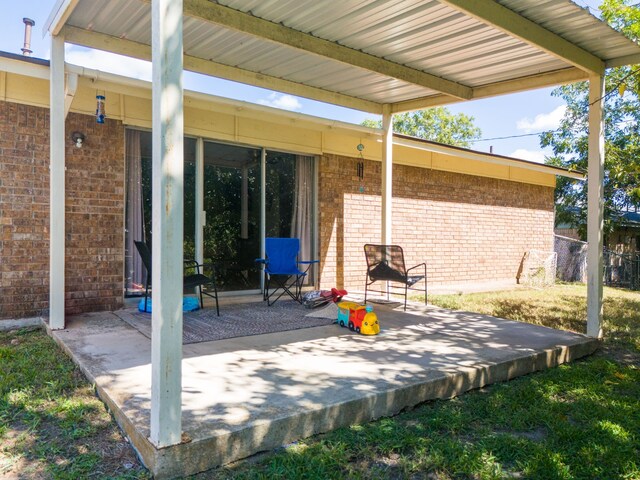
358,318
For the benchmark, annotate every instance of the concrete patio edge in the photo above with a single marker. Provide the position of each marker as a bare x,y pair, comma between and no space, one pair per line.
196,456
211,452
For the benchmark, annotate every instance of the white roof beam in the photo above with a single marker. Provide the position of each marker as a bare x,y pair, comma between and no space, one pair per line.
510,22
560,77
622,61
211,12
142,51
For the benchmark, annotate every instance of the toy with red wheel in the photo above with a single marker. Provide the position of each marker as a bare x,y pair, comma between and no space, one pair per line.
358,318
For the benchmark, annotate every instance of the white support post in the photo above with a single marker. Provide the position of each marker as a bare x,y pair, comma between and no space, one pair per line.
167,217
387,174
263,208
56,186
200,213
595,207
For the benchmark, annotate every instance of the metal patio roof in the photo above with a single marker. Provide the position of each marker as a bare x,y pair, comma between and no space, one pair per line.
366,53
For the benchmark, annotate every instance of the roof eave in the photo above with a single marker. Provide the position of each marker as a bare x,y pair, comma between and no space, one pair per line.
428,145
60,12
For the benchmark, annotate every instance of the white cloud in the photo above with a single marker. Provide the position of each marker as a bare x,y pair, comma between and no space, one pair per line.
283,101
109,62
531,155
542,121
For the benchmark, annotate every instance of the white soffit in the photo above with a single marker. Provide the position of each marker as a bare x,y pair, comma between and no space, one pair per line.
455,42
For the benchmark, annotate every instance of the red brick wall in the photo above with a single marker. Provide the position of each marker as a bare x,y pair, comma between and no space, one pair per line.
468,229
94,213
95,216
24,210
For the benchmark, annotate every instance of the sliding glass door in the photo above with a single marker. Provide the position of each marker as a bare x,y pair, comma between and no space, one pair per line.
236,207
289,199
138,227
231,231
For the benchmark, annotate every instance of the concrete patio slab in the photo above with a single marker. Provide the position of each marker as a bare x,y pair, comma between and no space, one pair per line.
250,394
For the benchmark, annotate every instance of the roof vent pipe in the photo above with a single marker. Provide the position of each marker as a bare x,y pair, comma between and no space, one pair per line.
28,23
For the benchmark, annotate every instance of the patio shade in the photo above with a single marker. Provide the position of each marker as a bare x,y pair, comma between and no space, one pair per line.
362,54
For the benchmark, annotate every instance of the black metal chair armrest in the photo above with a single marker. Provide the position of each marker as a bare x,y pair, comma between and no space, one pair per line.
416,266
213,266
192,263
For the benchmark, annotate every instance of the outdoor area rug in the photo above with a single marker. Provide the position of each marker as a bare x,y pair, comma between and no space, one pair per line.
236,320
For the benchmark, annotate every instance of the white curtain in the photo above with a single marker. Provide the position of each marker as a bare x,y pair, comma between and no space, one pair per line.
303,205
135,272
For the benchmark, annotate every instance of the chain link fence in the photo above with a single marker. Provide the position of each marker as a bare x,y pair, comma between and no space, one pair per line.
572,259
622,269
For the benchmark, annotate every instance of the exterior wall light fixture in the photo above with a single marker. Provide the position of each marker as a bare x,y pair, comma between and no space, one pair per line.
78,139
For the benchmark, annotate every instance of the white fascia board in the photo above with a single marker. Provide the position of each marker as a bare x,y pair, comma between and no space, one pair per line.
26,68
471,155
59,14
240,105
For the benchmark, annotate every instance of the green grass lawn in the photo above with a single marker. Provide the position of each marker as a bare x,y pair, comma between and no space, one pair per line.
580,420
51,423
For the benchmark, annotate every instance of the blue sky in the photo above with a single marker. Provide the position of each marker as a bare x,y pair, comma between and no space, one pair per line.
517,114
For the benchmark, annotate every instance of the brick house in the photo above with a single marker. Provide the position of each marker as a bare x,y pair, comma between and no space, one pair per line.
470,215
626,238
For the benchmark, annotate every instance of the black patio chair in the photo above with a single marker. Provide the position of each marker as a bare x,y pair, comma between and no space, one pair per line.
193,280
385,263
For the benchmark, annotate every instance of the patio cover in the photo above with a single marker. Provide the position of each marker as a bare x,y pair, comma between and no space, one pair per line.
374,55
363,54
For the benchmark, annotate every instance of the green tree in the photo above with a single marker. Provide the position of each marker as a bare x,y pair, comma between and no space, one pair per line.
622,134
437,124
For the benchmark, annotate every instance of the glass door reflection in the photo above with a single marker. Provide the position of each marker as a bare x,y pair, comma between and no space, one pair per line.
232,214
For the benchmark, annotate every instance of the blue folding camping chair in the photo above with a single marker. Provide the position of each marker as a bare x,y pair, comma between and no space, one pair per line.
283,267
